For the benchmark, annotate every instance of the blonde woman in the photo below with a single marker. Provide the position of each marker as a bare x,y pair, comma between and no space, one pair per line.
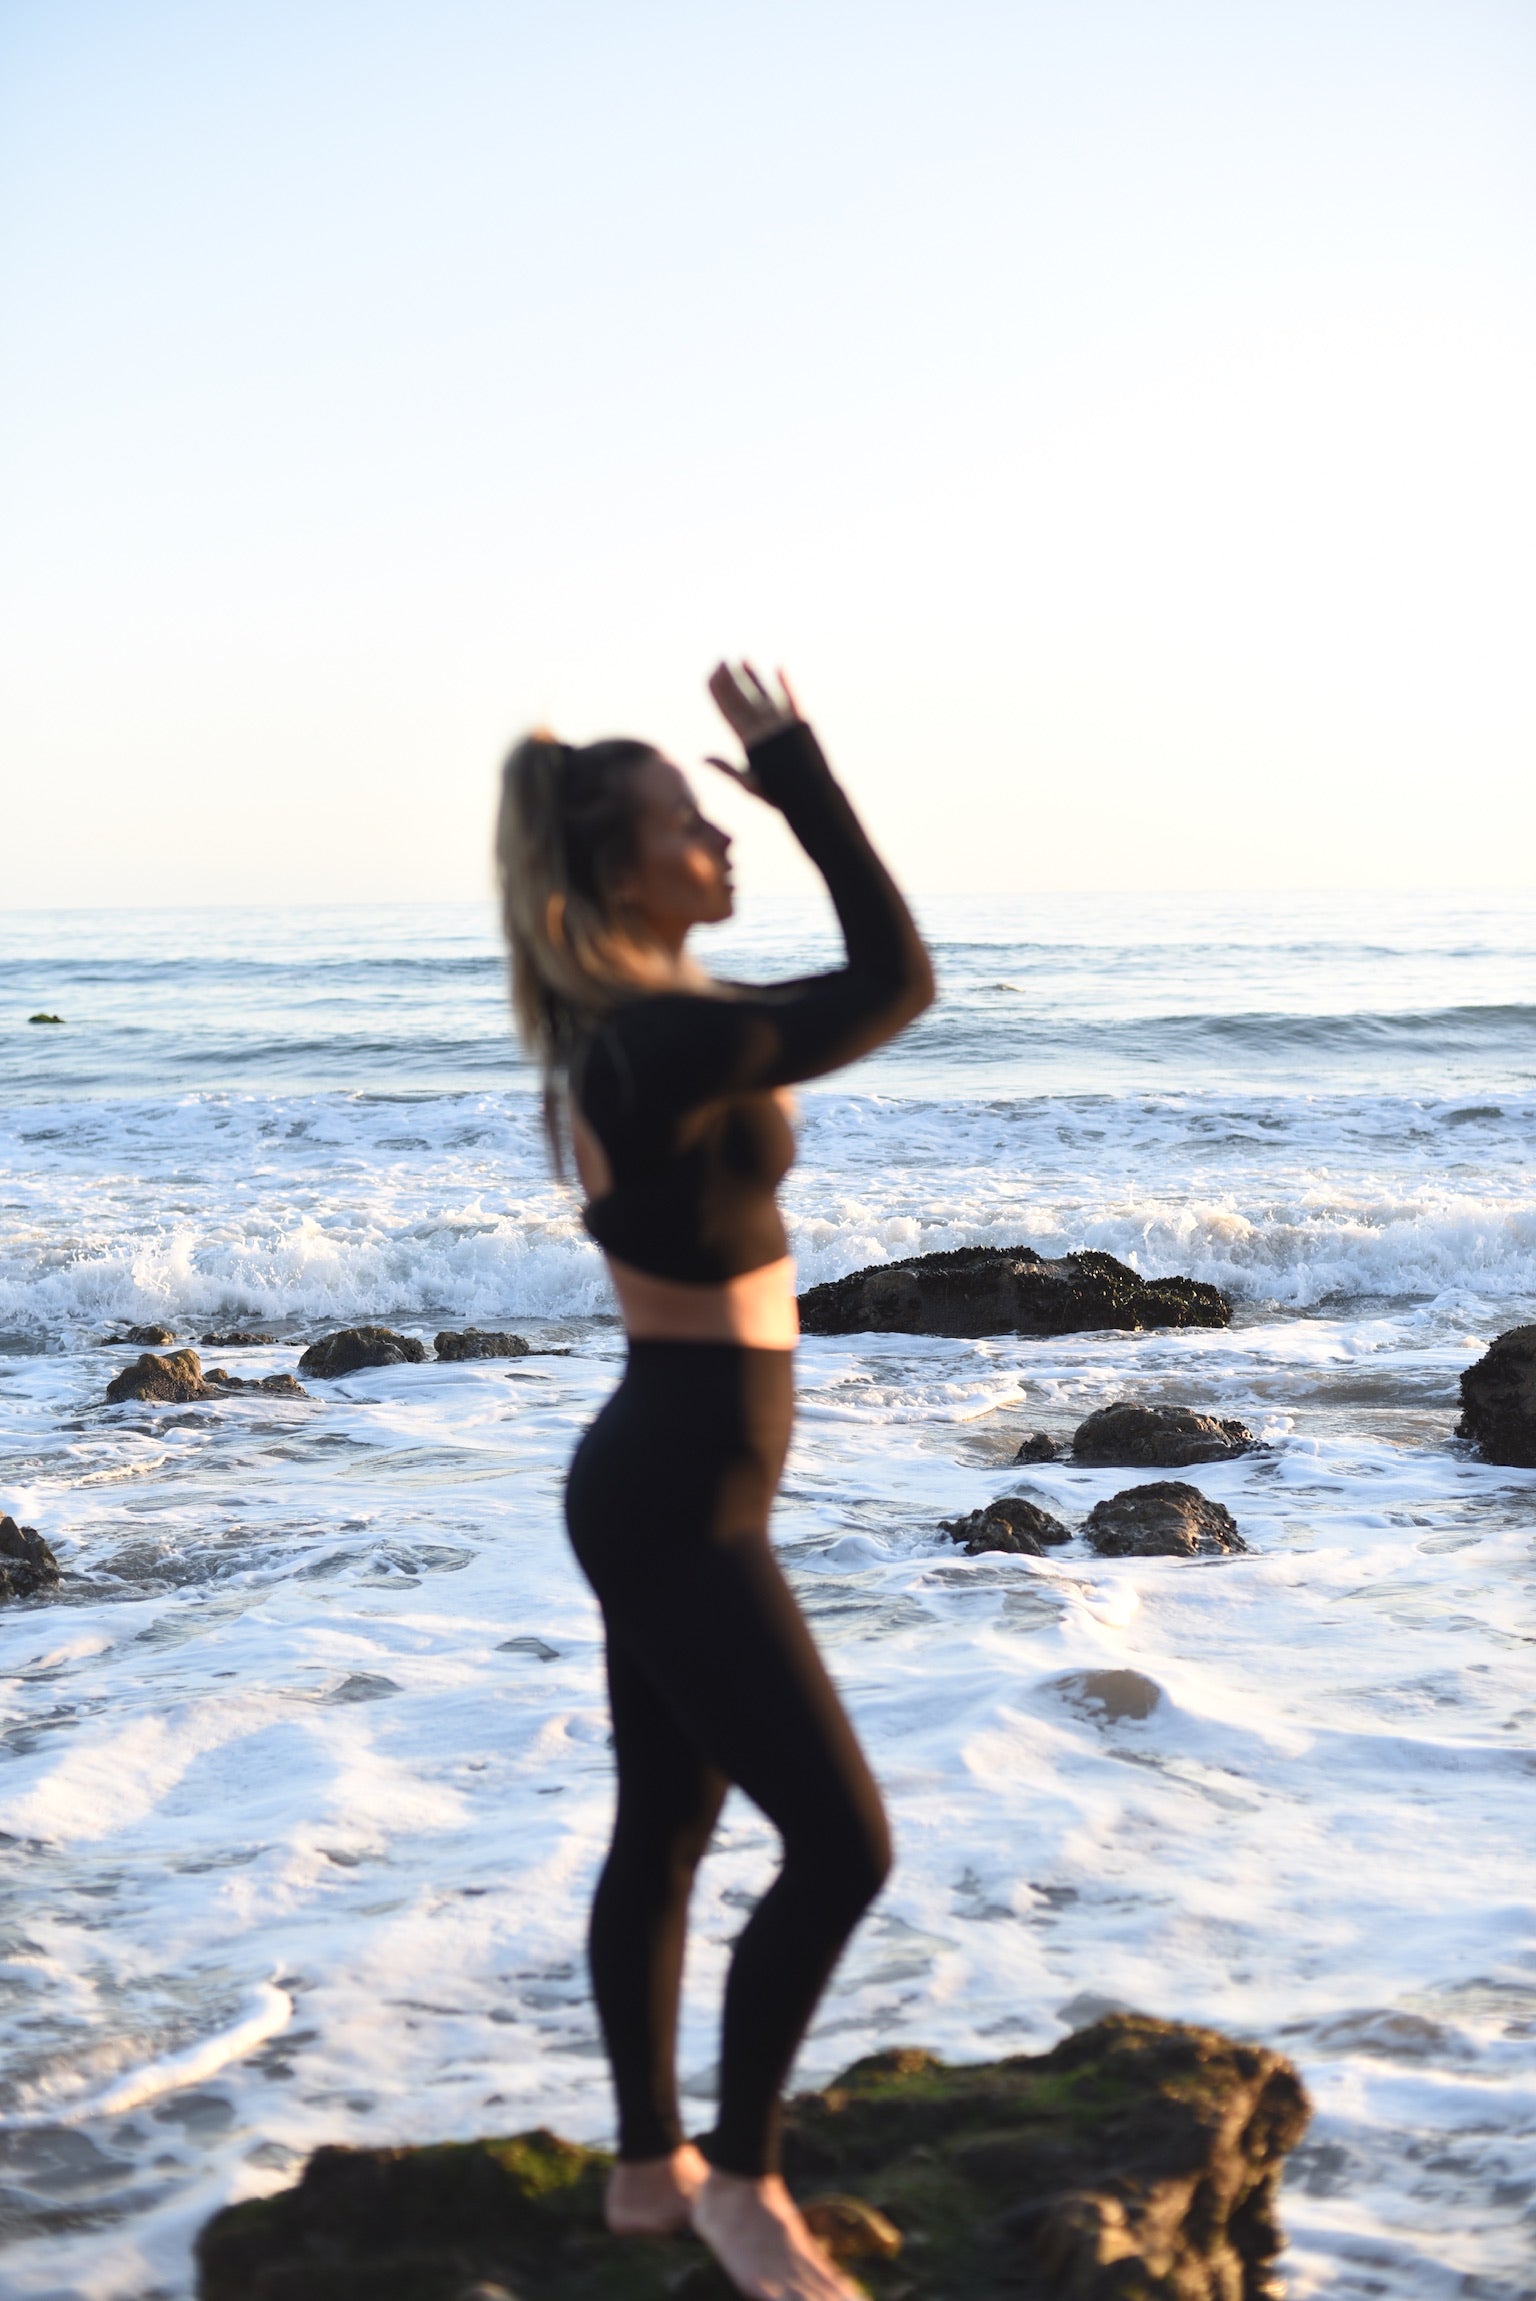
674,1089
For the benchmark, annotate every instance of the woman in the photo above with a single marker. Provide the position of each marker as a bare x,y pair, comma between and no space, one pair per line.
675,1089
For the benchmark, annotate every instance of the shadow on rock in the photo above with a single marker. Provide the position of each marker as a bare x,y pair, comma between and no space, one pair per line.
1138,2159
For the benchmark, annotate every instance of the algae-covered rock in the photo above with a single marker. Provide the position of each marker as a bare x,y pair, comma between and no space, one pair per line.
1138,2161
1006,1290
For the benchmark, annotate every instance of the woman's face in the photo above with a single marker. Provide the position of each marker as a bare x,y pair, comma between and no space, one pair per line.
681,875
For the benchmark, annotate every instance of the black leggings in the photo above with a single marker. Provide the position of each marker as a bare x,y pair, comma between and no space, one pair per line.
713,1679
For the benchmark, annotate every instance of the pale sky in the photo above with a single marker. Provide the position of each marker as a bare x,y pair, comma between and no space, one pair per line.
1117,414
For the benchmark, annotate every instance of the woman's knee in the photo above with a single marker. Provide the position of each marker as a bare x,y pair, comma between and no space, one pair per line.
846,1861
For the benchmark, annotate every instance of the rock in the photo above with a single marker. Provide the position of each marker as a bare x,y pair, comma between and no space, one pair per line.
480,1342
1158,1437
1163,1520
852,2230
1037,1447
45,1018
357,1346
1006,1290
27,1565
1498,1400
173,1379
1139,2158
276,1385
237,1341
1009,1523
152,1337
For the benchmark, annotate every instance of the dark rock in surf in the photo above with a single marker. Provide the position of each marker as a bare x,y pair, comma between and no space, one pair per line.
1129,1437
45,1018
237,1341
480,1342
171,1380
1139,2157
354,1347
151,1337
1006,1290
27,1566
1166,1519
1498,1400
275,1385
1010,1523
1039,1446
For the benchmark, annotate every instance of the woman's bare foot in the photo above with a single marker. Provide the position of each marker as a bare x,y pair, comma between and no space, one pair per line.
650,2196
754,2230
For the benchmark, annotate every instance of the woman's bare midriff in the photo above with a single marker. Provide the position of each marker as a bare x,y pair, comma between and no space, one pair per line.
758,1309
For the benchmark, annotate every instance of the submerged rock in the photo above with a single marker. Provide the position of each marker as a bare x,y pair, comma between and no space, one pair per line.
237,1341
1009,1523
1166,1519
171,1380
1039,1446
276,1385
1006,1290
480,1342
151,1337
1498,1400
45,1018
1138,2161
353,1347
1158,1437
27,1565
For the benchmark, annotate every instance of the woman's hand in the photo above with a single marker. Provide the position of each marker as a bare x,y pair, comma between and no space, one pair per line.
752,710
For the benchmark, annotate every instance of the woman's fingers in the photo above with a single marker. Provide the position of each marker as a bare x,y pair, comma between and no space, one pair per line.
748,704
742,775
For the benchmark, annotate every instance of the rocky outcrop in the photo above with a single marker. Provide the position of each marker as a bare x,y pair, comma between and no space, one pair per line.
171,1380
179,1377
1006,1290
45,1018
1126,1437
27,1566
1009,1523
151,1337
354,1347
236,1341
1498,1400
1138,2161
1166,1519
480,1342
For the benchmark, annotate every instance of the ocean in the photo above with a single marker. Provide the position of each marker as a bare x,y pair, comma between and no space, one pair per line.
305,1774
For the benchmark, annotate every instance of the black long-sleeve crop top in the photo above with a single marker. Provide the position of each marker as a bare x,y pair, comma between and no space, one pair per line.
678,1086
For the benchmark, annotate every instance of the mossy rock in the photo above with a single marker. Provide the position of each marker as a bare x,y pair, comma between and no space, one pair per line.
1138,2161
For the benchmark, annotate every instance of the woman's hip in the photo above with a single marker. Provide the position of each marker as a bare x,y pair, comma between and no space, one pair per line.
689,1447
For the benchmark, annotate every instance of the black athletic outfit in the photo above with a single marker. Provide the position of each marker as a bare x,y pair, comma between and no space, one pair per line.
712,1674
